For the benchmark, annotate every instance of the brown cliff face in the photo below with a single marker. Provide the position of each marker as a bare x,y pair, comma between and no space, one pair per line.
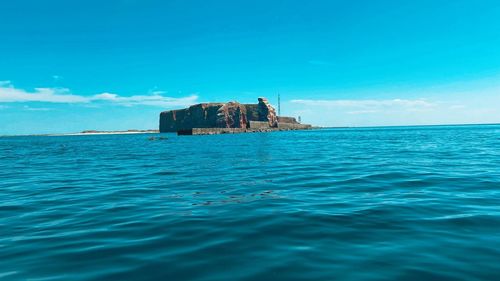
252,111
267,113
218,115
232,115
202,115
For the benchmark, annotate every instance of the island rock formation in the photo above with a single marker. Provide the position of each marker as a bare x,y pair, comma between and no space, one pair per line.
231,116
267,113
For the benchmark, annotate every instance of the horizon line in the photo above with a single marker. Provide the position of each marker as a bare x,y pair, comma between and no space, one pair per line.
314,127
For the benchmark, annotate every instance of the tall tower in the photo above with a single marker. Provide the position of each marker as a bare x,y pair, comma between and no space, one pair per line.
279,105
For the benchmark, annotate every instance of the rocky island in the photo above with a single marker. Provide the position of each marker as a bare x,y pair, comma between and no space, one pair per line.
230,117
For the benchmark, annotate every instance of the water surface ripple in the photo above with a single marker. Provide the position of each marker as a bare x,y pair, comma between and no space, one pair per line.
406,203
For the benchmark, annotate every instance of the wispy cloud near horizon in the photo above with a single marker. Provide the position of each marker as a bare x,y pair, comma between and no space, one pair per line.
397,111
154,99
29,108
11,94
368,105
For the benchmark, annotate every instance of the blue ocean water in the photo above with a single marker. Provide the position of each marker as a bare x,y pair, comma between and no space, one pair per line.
402,203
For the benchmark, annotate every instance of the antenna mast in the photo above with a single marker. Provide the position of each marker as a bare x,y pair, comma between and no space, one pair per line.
279,105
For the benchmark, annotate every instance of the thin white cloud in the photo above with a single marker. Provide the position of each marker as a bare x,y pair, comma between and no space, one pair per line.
29,108
9,94
457,106
401,103
155,99
355,112
106,96
374,112
348,112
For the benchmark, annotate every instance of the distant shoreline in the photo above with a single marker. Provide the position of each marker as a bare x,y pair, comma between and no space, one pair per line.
94,132
130,132
89,133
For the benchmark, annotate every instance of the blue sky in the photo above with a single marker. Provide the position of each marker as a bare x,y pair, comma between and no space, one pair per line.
68,66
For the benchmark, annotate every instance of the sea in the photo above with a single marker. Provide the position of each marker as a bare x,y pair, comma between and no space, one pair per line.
386,203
